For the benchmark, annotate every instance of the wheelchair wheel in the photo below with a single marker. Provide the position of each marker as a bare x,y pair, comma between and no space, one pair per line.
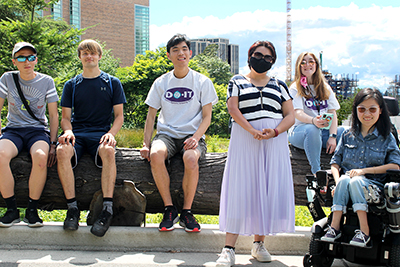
394,256
316,259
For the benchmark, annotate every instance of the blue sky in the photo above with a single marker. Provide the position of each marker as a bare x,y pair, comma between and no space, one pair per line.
357,38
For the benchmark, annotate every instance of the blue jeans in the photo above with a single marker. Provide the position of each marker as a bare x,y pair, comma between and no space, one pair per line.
352,188
312,140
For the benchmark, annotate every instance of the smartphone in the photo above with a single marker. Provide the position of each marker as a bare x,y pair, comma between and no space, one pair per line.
328,117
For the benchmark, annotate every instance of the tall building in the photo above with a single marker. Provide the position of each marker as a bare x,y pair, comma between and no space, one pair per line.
227,52
122,24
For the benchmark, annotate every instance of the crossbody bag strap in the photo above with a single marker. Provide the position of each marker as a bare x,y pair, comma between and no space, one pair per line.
21,95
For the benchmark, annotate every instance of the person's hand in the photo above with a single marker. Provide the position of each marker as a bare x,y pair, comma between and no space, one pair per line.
145,153
52,159
268,133
355,172
190,143
67,138
259,135
330,145
318,122
108,139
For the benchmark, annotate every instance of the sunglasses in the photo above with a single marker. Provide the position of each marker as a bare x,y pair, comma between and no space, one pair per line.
364,109
24,58
303,63
267,58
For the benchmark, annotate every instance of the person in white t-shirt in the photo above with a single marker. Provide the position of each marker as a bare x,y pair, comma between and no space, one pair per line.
312,98
185,98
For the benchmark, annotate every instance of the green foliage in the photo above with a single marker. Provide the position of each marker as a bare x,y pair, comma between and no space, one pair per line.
346,105
55,42
219,71
217,144
220,116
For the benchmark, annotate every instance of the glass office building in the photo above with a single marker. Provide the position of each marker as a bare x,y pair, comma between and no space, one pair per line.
142,32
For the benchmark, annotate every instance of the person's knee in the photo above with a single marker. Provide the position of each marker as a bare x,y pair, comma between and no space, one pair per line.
4,158
157,157
190,161
39,158
107,153
64,153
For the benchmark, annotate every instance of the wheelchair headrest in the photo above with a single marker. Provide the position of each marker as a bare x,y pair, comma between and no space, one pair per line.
392,104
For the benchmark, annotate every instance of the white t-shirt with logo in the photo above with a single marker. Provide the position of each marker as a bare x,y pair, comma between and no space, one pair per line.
309,106
181,102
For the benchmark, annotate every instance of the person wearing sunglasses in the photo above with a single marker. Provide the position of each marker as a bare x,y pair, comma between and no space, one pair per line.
91,102
313,100
363,155
257,196
26,132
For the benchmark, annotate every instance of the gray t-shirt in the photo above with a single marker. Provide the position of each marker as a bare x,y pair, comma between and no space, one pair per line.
37,92
181,102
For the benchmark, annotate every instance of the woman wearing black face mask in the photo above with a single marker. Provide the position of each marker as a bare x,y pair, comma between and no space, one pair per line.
258,165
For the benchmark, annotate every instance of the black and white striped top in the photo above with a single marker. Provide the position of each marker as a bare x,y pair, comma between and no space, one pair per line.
259,102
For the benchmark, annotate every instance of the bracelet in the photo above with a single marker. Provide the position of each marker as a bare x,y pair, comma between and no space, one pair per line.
276,132
312,121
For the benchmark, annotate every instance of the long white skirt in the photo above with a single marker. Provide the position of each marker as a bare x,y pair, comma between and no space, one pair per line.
257,196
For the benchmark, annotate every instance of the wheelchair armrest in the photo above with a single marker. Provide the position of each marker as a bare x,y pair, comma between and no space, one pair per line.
393,176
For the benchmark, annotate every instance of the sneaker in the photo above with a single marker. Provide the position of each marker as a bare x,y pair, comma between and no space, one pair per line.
11,217
188,221
32,218
331,235
71,221
260,253
169,219
101,225
227,257
360,239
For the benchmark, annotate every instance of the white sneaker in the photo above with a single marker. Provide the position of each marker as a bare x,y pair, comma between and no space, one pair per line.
226,258
260,253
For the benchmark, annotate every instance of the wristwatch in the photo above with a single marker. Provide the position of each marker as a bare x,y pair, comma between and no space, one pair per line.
333,135
53,143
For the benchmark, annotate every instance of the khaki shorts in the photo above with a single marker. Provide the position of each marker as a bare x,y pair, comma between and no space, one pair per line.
176,145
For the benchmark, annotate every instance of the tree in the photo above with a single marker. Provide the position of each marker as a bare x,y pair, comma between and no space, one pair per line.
55,41
219,71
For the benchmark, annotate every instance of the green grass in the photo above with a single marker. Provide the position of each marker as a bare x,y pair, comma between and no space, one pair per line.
303,217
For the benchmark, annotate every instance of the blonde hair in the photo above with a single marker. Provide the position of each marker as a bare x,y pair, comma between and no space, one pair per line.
319,82
91,46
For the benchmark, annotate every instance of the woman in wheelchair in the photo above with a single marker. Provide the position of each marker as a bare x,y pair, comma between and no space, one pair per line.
364,153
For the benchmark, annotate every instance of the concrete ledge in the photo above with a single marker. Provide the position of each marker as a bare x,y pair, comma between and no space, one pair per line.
121,238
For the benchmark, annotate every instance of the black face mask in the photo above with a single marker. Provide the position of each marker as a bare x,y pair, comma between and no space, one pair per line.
259,65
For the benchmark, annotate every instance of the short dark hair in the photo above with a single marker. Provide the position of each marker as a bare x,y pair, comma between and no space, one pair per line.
267,44
177,39
383,123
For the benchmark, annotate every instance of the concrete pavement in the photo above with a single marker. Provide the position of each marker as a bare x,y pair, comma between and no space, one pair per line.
140,246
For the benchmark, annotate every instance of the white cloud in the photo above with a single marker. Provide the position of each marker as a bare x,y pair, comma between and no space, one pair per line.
352,39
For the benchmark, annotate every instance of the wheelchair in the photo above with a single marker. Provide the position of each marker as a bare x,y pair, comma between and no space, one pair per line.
383,219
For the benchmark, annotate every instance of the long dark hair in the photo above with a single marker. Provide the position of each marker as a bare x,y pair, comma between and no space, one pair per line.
383,123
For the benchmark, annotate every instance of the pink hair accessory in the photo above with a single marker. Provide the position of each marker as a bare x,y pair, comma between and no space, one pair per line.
303,81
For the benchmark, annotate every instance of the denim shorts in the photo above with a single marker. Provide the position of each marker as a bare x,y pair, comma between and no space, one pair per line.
24,138
176,145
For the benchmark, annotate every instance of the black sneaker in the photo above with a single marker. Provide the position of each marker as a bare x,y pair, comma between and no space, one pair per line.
11,217
188,221
32,218
71,221
169,219
101,225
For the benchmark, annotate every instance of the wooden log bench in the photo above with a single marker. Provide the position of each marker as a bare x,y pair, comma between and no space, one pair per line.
131,167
